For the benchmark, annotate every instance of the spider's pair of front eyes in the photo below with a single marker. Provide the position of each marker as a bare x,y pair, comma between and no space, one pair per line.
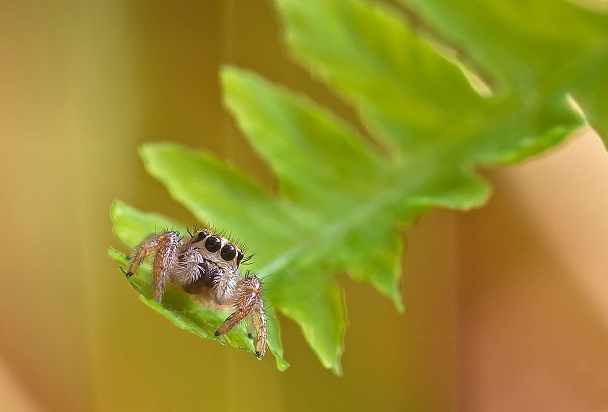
214,243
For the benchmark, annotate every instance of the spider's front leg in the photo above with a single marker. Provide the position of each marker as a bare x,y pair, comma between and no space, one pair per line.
248,302
165,248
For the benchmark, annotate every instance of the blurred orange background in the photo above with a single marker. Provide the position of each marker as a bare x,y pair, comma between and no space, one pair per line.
507,306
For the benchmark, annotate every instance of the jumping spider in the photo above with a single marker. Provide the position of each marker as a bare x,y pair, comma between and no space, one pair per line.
206,264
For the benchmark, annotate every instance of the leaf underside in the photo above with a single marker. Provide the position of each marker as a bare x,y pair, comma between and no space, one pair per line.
341,200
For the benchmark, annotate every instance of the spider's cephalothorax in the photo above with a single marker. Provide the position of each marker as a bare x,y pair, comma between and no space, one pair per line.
206,264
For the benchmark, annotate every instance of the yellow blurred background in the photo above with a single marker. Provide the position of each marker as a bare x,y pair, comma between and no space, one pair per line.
507,306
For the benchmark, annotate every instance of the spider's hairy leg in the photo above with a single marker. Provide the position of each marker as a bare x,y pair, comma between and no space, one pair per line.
145,248
165,262
187,271
259,321
248,299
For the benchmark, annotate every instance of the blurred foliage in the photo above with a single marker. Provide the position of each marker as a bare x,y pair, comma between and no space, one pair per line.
440,89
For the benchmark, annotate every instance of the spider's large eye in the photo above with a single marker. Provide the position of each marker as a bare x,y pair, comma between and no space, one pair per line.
202,234
239,256
213,244
228,252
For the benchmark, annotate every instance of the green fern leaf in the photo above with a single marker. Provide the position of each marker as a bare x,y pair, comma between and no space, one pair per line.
341,201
